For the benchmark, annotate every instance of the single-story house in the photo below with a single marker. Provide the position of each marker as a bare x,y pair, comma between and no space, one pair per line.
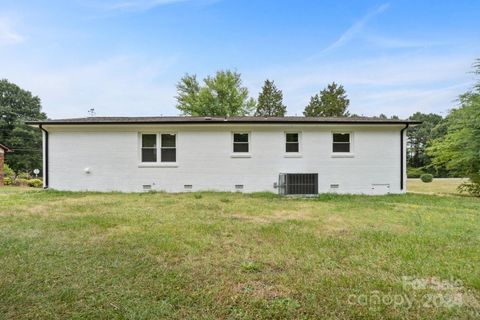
3,150
286,155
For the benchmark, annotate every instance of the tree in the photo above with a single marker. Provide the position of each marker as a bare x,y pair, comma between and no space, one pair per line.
382,116
270,101
221,95
330,102
419,137
459,149
17,106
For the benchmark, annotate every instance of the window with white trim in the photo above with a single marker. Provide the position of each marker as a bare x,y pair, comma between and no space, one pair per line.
241,142
149,147
154,152
292,142
341,142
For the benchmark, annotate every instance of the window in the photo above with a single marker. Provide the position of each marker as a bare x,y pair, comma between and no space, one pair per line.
292,143
240,142
341,142
168,148
153,153
149,148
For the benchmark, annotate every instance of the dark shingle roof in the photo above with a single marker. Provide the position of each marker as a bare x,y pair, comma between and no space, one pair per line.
200,120
6,149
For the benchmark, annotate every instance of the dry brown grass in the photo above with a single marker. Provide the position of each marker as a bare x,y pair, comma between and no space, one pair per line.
439,186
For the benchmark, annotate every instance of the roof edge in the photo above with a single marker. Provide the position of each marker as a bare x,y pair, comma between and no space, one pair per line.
5,148
126,122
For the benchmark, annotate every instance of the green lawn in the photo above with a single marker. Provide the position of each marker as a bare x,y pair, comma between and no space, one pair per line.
234,256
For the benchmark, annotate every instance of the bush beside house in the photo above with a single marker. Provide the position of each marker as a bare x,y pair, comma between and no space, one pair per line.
23,179
427,177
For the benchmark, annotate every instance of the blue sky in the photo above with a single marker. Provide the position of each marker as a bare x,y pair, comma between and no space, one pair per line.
124,57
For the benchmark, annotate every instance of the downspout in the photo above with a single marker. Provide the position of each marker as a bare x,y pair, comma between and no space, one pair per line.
45,169
401,156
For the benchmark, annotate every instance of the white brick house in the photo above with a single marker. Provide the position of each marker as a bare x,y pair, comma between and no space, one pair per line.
288,155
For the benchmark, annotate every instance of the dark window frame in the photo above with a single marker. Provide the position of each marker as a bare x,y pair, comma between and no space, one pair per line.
342,143
240,143
297,143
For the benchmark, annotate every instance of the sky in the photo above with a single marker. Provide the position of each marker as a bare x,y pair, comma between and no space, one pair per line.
124,57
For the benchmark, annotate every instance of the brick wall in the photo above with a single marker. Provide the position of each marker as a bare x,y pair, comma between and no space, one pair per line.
1,167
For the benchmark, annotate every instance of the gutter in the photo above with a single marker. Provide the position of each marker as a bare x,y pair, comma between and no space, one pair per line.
225,122
401,155
45,169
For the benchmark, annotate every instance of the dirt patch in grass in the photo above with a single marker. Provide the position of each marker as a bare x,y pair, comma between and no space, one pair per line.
334,224
274,217
261,290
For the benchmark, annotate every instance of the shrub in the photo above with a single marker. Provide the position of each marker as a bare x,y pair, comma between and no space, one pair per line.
8,171
427,177
36,183
7,181
19,182
471,188
23,175
414,172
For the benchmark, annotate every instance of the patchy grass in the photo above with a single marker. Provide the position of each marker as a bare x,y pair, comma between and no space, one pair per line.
14,189
235,256
437,186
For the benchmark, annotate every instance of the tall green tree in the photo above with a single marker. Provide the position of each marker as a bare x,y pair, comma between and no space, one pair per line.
220,95
16,107
270,101
459,149
420,136
330,102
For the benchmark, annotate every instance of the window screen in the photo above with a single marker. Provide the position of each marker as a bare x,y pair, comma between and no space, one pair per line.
240,142
291,142
341,142
149,148
168,148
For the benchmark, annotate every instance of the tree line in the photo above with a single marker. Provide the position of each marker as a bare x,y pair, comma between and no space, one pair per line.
444,146
224,95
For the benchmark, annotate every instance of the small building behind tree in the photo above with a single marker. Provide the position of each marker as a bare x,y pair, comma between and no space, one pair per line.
3,151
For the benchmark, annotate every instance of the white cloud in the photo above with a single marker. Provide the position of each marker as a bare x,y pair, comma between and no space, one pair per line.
393,43
119,85
7,34
351,32
406,101
398,84
137,5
